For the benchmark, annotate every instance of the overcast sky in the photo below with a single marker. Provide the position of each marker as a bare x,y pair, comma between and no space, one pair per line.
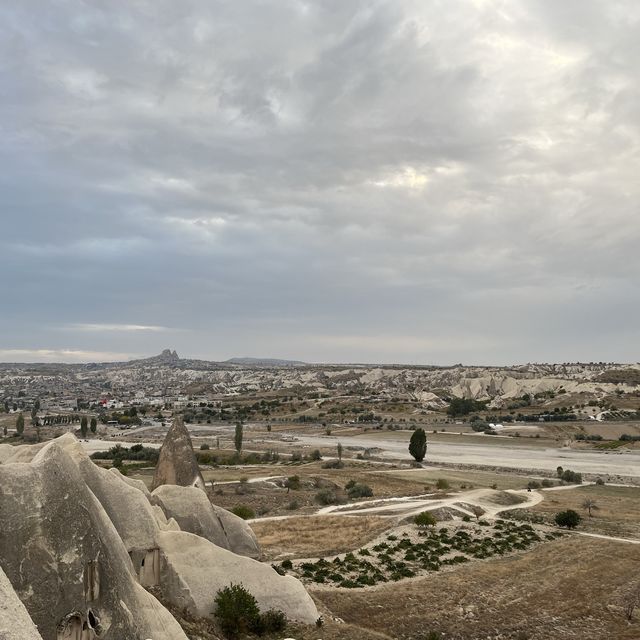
416,181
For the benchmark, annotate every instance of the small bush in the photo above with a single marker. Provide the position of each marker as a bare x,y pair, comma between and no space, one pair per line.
287,564
293,483
442,484
271,621
243,511
316,455
293,505
425,519
600,481
236,610
533,484
547,483
359,491
326,496
204,447
571,476
333,464
569,518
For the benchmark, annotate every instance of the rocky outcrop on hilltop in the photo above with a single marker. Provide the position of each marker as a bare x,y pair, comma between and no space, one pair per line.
81,545
177,463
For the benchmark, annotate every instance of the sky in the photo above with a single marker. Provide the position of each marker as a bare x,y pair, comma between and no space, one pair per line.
385,181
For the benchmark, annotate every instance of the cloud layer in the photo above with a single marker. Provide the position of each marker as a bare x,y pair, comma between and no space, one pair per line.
372,180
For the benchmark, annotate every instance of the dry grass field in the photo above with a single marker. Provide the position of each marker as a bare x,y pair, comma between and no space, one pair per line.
569,589
457,478
618,512
305,537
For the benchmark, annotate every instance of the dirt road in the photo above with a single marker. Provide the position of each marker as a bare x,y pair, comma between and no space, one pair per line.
472,453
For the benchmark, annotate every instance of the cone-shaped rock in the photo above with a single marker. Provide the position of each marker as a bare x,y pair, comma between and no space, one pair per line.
177,463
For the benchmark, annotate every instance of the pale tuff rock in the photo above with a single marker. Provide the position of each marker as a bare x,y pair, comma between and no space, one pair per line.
15,623
78,541
177,463
138,484
65,559
197,569
193,511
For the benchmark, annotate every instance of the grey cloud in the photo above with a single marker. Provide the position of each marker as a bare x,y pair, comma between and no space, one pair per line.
446,180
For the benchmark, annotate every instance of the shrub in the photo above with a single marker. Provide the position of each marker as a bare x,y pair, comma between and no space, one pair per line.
293,483
332,464
547,483
204,447
569,518
236,610
316,455
442,484
287,564
425,519
359,491
326,496
293,505
571,476
600,481
243,511
533,484
271,621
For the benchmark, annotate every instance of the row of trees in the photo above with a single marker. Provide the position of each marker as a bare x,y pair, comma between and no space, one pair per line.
85,423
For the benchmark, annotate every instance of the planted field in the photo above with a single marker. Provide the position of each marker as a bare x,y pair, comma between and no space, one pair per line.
571,588
411,552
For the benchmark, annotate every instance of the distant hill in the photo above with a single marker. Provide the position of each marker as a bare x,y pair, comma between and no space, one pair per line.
264,362
166,357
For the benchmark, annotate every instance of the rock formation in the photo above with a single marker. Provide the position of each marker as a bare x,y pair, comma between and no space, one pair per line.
15,623
65,559
78,543
193,512
177,463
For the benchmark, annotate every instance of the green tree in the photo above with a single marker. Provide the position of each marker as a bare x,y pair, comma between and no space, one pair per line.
93,425
20,424
84,423
418,444
238,437
339,451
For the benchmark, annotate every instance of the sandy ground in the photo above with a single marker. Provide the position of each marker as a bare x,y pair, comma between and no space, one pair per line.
472,453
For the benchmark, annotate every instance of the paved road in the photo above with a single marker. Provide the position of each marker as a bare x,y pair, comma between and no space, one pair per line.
596,462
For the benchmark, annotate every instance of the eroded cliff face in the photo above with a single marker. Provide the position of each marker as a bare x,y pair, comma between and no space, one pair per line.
79,543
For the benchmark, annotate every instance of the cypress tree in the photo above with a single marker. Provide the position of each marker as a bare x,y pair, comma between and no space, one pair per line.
418,444
238,437
20,424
